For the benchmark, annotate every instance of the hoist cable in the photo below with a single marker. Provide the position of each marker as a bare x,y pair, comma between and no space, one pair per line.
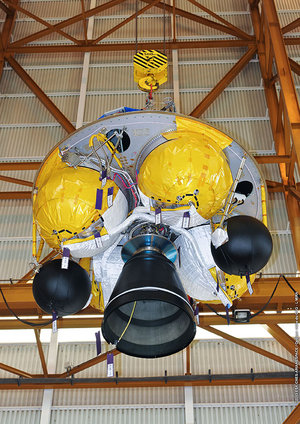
136,26
164,27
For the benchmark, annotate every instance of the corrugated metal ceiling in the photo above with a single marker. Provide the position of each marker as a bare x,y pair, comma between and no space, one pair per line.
241,109
29,131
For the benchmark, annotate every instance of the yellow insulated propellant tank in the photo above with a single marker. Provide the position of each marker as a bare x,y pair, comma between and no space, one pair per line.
64,200
190,167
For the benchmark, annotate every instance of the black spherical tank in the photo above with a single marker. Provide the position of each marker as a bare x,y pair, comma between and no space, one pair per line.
148,314
63,291
248,248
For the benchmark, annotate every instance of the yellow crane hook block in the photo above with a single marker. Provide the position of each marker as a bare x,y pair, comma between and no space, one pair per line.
150,69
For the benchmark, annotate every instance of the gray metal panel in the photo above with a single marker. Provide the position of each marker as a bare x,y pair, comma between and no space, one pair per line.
16,218
293,52
220,356
208,75
255,135
22,356
287,17
164,415
44,59
243,414
28,142
277,214
211,54
243,104
20,417
287,4
144,396
216,5
25,398
112,57
30,110
64,80
283,257
118,78
193,30
125,365
26,27
149,28
50,9
225,357
15,258
97,104
243,394
23,175
270,171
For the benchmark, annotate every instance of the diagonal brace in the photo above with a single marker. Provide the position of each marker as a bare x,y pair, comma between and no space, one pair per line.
67,22
223,83
196,18
41,21
130,18
238,32
250,346
52,108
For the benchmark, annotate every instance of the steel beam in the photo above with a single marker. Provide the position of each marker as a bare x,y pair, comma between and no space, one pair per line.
238,32
41,352
85,29
67,22
19,166
196,18
126,21
170,45
50,106
13,370
248,379
281,126
295,67
19,297
275,186
282,337
284,72
291,41
223,83
294,417
295,193
94,320
270,318
6,34
5,195
5,8
88,364
41,21
292,25
272,159
16,181
250,346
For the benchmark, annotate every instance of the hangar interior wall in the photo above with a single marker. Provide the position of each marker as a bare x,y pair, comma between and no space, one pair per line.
28,132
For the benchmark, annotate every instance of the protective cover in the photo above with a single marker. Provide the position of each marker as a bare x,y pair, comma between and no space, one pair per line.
65,198
190,167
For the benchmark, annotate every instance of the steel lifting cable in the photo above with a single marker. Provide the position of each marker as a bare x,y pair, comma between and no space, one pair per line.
164,27
136,26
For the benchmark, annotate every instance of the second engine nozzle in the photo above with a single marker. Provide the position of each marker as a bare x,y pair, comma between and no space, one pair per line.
148,314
